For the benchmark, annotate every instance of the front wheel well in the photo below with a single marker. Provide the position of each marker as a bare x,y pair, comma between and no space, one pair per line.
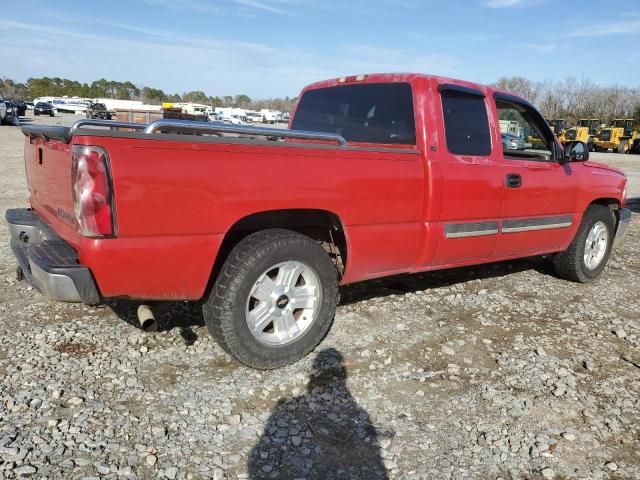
321,225
612,203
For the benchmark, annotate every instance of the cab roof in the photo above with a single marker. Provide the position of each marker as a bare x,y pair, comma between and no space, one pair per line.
411,78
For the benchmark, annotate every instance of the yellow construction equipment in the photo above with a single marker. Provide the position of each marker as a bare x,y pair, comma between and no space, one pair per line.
635,142
558,128
619,136
585,131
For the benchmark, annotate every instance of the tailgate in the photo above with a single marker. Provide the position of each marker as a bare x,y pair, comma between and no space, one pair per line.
48,171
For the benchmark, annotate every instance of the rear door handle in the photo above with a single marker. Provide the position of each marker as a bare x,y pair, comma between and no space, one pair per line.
513,180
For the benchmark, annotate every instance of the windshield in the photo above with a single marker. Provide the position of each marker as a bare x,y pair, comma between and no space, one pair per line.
42,104
369,113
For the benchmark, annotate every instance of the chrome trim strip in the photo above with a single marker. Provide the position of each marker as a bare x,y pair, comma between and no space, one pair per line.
473,229
532,224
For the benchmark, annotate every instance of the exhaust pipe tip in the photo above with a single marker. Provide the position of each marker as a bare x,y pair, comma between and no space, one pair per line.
146,318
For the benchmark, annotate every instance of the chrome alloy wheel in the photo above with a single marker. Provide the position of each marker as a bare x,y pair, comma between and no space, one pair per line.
283,303
596,245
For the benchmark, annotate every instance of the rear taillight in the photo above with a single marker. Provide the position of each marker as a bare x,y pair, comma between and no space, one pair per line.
92,198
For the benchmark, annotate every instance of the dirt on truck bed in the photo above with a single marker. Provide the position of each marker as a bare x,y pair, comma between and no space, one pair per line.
495,371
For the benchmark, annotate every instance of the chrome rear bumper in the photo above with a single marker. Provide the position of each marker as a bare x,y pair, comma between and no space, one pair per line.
47,262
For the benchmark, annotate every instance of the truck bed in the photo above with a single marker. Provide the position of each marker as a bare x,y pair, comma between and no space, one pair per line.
178,192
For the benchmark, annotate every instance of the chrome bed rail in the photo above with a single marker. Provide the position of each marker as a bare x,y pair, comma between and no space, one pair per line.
213,128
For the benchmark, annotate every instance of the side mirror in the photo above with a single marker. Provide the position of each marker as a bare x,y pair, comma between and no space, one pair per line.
575,151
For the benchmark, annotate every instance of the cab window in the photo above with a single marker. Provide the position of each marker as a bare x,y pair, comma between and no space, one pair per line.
523,132
465,123
370,113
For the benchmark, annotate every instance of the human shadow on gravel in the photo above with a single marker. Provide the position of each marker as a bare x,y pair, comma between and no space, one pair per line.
322,434
406,283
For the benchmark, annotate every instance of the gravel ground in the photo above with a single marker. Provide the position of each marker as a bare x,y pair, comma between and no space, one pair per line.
498,371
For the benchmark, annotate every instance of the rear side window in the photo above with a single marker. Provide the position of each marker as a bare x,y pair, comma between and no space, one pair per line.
368,113
466,124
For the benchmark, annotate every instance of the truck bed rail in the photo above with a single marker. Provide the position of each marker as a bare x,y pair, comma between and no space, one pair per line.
178,126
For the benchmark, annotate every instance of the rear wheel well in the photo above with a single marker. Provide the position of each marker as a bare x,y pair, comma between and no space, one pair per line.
321,225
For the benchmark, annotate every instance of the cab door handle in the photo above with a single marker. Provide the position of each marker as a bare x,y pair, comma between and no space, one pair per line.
513,180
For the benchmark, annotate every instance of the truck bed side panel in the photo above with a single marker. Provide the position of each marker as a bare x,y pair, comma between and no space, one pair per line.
176,200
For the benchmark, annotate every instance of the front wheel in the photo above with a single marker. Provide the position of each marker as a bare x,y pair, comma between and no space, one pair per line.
274,299
590,249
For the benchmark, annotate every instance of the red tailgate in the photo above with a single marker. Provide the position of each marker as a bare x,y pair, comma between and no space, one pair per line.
48,169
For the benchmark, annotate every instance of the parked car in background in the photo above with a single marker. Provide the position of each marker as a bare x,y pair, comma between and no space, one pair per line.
43,108
99,111
513,142
214,117
3,112
237,120
254,117
271,116
379,175
21,107
10,114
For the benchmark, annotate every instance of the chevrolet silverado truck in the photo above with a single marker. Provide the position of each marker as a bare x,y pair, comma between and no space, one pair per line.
376,175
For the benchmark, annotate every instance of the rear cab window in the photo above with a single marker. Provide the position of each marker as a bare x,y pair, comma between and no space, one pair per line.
466,122
374,113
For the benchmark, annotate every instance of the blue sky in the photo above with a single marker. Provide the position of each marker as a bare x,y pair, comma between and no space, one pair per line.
268,48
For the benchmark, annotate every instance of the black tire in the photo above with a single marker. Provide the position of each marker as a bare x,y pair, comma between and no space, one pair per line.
570,264
623,146
224,309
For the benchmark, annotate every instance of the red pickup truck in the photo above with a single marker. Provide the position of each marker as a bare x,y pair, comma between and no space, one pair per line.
377,175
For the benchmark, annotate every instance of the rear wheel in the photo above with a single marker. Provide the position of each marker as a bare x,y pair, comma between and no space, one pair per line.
623,146
590,249
274,299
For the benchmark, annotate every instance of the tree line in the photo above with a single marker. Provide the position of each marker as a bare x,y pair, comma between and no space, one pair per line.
572,99
569,99
58,87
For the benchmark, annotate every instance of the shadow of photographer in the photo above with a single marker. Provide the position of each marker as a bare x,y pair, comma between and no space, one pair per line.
322,434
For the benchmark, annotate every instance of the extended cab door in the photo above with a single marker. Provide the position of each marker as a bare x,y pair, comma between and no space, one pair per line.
540,195
471,177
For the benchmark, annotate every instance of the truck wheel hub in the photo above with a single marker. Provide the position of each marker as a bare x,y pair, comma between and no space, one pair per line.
596,245
283,303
